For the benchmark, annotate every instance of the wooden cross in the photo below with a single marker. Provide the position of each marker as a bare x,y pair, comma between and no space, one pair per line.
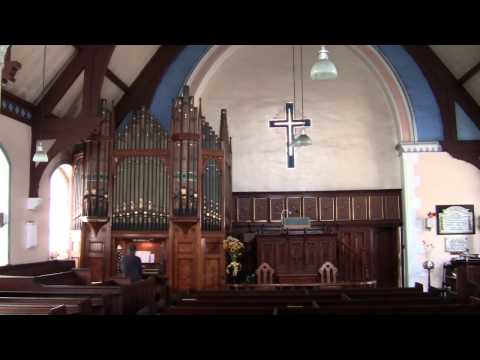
290,124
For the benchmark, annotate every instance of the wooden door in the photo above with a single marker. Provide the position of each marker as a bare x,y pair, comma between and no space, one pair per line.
387,254
356,254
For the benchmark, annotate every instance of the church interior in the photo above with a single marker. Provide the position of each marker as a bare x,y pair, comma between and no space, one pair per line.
246,179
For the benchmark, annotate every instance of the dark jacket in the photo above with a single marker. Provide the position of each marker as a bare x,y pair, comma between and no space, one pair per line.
131,267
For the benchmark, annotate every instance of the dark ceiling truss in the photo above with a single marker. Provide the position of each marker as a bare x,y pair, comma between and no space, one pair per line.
67,131
470,74
143,88
110,75
94,60
448,91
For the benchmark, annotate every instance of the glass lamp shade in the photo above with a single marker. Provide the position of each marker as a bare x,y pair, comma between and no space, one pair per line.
323,69
302,140
40,154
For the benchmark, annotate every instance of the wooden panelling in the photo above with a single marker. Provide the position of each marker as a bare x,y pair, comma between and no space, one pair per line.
296,255
281,256
357,253
267,253
212,275
360,207
185,274
214,248
343,208
260,206
277,205
185,248
327,208
392,207
310,208
244,209
357,207
375,209
294,206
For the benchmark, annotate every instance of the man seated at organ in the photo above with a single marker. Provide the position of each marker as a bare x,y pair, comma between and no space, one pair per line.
131,265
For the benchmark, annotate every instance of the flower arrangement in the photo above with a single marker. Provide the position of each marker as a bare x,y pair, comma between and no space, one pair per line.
234,248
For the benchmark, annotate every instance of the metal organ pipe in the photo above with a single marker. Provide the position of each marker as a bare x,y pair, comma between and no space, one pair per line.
140,179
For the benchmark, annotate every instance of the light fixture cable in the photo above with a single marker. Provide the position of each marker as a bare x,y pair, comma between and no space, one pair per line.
294,80
40,154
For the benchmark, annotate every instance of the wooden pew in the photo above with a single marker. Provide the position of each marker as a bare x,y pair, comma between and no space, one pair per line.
80,306
104,301
352,301
388,309
37,268
117,298
194,311
70,277
24,309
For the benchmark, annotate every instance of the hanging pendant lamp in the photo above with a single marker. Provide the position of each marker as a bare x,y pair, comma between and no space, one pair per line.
303,139
40,153
324,68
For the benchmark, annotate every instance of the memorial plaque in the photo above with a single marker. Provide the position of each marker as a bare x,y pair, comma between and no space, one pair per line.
455,244
455,219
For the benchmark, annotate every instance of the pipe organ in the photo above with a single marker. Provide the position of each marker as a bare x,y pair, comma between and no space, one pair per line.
140,179
167,191
96,173
77,202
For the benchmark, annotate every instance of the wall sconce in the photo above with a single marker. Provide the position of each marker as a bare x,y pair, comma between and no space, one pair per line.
183,191
430,221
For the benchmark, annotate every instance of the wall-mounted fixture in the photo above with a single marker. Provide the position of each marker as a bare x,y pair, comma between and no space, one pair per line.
33,203
430,221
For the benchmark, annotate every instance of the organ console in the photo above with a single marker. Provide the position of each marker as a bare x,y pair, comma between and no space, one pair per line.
169,192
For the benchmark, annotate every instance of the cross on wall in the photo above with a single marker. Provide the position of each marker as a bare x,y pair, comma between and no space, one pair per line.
290,123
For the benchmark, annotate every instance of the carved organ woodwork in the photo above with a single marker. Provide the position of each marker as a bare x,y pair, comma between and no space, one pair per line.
165,191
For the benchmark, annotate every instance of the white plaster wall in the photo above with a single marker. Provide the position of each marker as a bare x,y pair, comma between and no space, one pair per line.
15,138
353,125
432,179
42,214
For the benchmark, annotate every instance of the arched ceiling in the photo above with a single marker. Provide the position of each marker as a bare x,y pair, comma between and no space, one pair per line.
125,65
127,62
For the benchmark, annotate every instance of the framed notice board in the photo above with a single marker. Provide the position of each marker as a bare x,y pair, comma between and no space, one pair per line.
455,219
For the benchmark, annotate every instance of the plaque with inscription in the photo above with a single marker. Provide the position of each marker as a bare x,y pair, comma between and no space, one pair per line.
455,219
456,244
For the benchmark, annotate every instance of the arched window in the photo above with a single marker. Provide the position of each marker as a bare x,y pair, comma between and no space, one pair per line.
60,237
4,206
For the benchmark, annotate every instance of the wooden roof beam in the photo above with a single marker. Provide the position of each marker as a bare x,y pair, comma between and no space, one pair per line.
69,131
110,75
470,74
142,90
117,81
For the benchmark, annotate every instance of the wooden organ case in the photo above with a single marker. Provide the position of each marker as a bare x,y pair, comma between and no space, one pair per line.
169,193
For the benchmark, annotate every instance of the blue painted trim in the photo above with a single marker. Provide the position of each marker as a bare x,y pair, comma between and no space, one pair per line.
173,81
427,117
428,120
